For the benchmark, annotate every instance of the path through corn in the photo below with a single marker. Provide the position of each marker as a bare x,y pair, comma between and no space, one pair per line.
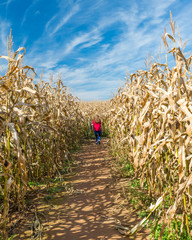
94,206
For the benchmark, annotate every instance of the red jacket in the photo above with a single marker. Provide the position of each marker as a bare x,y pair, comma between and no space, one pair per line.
96,126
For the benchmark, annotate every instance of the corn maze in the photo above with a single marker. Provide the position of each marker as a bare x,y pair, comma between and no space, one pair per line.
150,123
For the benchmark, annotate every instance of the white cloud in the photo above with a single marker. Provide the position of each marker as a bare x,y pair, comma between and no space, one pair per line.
49,22
97,73
182,20
27,11
65,19
90,39
91,43
4,33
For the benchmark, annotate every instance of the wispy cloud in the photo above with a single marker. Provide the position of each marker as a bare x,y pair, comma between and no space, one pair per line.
90,39
8,3
183,22
92,43
49,23
27,10
65,19
110,64
4,32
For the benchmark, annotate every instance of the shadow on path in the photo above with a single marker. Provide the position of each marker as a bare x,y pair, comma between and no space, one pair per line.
93,208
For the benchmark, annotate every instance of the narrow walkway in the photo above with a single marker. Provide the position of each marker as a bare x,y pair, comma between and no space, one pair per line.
93,206
85,213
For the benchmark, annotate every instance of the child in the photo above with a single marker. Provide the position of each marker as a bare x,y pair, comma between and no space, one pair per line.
97,128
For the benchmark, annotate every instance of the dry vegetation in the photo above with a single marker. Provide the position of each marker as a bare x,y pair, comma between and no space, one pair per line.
39,125
151,127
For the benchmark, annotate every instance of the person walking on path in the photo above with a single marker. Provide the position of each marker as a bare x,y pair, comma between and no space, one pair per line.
97,128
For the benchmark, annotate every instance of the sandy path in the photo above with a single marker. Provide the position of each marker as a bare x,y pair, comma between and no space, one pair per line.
94,207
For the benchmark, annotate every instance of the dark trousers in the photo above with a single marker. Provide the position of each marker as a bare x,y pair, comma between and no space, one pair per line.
97,134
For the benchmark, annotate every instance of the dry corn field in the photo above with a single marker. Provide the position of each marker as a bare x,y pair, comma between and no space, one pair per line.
150,123
151,127
40,123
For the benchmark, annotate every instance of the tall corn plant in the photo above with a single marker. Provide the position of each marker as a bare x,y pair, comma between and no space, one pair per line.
39,124
150,123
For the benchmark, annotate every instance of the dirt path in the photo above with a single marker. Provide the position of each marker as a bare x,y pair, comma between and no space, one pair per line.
93,206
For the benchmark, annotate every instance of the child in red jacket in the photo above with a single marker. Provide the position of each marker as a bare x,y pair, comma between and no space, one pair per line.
97,128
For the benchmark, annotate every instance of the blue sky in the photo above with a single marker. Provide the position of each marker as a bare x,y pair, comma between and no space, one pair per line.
90,43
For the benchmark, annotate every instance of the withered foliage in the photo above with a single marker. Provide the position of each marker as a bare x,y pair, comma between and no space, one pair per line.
151,126
39,124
